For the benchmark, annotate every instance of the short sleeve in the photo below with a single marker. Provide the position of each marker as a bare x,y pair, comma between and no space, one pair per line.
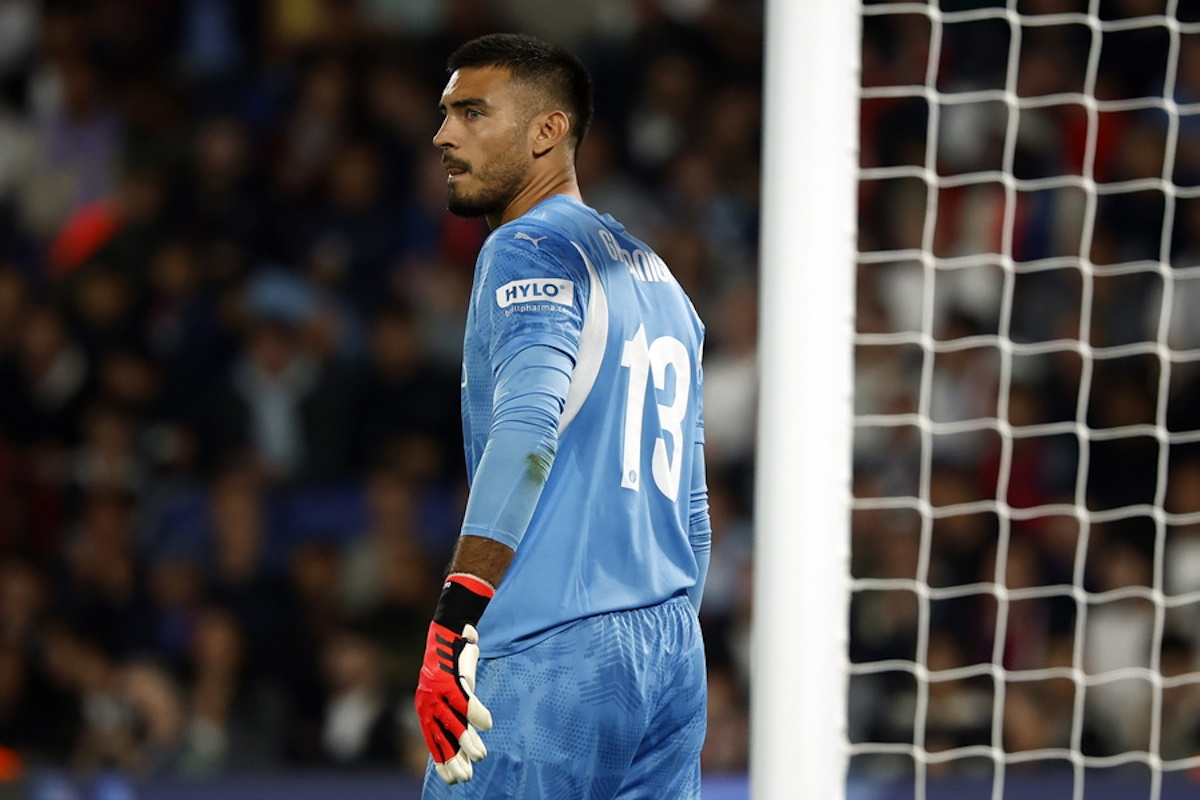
529,292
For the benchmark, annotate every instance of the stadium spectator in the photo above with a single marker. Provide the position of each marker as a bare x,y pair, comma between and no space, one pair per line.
283,400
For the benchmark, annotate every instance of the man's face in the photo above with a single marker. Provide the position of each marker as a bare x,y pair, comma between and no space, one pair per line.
484,140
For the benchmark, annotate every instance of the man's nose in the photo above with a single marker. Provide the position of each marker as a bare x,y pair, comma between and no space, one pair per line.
442,138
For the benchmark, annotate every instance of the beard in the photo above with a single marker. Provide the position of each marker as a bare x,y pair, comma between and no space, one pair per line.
497,184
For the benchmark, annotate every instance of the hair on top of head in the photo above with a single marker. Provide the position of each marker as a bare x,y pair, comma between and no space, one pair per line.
552,68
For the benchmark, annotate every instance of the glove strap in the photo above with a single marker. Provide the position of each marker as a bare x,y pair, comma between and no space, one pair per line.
463,600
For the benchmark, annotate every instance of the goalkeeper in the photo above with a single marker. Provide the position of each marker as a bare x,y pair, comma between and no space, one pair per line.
565,659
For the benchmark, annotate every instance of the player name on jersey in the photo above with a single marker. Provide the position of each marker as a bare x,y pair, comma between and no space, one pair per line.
643,265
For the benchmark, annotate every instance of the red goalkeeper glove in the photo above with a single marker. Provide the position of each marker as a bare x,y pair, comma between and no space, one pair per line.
451,715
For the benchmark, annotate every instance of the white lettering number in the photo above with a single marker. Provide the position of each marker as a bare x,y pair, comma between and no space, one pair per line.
643,265
645,361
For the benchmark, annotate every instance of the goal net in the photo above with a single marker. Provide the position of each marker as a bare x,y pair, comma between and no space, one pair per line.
1025,512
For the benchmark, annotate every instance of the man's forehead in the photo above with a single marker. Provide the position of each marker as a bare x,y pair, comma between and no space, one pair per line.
487,83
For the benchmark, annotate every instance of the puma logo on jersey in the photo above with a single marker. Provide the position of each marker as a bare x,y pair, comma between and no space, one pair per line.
534,241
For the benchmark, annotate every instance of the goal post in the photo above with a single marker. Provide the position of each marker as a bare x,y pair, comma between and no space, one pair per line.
803,469
977,564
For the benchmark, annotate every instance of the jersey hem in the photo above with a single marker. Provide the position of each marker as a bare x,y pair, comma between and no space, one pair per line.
532,640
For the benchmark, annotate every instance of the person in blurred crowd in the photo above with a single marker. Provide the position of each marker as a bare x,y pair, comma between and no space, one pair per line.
282,403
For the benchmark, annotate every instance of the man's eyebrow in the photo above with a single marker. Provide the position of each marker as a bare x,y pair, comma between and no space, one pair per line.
465,102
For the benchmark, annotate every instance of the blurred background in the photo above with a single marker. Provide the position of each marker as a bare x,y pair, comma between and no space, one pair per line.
231,312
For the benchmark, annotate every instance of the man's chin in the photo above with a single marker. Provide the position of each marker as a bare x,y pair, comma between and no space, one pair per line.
460,209
466,207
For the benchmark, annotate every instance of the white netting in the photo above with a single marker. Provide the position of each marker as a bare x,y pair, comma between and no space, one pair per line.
1026,535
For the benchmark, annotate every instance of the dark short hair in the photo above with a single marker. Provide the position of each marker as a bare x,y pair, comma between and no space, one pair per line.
551,68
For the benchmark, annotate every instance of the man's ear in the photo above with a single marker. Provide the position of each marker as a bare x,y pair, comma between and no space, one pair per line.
549,131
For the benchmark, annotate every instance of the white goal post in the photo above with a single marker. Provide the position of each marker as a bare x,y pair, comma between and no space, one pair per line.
977,564
801,573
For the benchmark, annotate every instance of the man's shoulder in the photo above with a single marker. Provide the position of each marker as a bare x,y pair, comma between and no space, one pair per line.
558,220
547,235
532,236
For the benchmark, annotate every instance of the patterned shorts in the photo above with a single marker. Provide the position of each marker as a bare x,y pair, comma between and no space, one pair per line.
610,708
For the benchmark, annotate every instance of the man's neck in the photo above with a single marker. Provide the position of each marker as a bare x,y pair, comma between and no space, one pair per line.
537,190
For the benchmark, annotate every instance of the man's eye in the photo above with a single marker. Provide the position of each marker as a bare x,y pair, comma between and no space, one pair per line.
473,113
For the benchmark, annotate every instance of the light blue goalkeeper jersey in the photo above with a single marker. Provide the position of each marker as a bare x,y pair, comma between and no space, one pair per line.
622,521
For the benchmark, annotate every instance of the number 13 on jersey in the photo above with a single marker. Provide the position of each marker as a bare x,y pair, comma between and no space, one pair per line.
644,360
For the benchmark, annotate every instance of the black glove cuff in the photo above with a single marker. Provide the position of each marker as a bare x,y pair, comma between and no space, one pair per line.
462,602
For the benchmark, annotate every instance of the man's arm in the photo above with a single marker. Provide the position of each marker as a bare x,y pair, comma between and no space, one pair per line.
485,558
530,391
531,388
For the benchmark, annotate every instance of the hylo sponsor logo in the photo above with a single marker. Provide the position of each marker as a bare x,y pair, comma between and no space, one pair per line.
537,290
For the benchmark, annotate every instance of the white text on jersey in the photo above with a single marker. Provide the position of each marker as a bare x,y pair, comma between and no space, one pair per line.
643,265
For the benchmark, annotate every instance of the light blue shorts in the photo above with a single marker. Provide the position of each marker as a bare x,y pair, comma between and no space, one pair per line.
611,708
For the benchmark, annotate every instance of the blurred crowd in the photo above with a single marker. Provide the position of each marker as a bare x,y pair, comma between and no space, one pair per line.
1098,294
231,310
